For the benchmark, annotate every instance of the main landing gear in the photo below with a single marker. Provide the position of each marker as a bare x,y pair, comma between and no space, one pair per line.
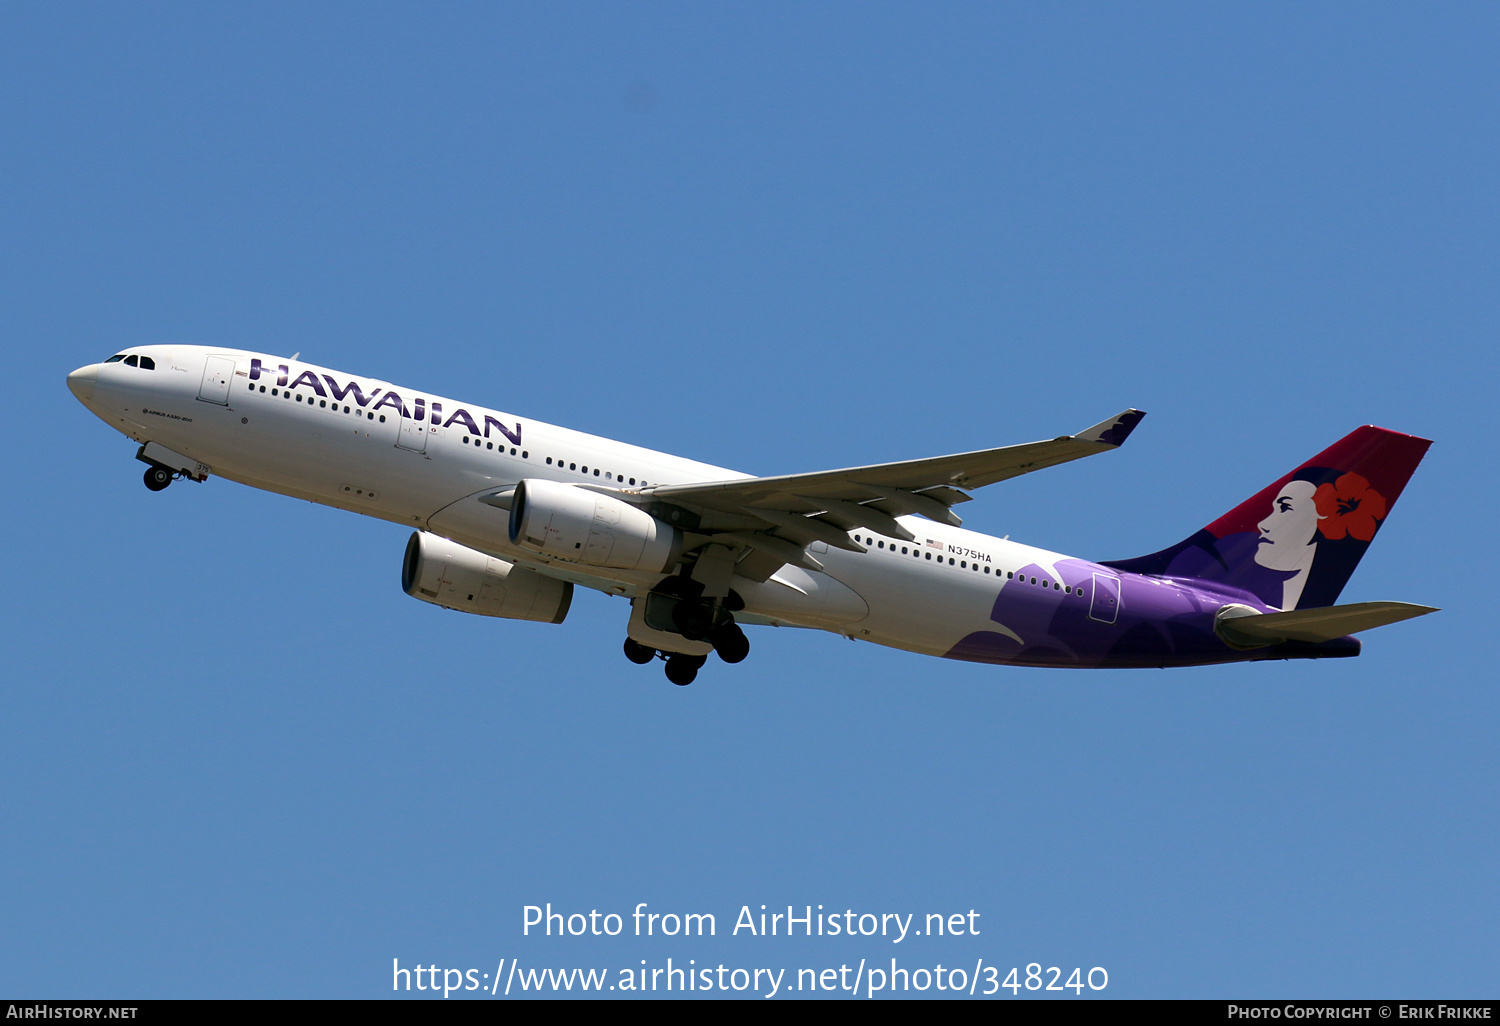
677,607
638,653
682,669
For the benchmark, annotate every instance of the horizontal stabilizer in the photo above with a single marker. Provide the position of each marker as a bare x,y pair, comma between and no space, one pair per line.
1325,623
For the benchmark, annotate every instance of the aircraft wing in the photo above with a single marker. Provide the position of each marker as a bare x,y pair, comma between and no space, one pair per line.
778,517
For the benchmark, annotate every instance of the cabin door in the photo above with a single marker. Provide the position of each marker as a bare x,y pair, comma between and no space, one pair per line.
218,372
413,434
1104,605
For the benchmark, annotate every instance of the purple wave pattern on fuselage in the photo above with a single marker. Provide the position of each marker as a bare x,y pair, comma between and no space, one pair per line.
1156,621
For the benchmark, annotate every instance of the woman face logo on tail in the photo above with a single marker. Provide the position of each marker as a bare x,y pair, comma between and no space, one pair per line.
1288,537
1305,515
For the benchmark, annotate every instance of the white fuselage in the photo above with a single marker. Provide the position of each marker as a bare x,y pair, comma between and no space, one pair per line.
423,460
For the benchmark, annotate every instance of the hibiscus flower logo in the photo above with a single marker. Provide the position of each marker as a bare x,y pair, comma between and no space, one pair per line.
1349,506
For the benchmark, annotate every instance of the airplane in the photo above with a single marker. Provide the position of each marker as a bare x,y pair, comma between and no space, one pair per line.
509,515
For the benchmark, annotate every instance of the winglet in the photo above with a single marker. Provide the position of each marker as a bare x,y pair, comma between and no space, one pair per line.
1113,431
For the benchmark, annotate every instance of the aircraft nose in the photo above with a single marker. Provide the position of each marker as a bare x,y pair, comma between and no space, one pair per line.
81,382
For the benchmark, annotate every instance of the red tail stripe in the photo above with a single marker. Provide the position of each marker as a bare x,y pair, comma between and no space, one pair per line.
1387,459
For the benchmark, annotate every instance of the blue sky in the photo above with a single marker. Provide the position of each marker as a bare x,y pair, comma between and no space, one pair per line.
236,761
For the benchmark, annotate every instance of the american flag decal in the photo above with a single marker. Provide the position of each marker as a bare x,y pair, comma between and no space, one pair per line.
934,545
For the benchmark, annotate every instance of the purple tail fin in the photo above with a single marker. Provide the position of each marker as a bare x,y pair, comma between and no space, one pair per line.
1295,543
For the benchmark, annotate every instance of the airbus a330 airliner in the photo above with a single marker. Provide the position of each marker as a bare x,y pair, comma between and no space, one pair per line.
511,514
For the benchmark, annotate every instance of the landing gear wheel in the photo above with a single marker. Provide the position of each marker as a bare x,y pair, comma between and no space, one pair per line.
693,619
157,478
682,670
638,653
730,642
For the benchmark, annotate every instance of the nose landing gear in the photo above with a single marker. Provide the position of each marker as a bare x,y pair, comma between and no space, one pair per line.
158,477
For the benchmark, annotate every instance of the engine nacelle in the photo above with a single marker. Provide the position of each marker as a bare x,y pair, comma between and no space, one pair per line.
582,526
450,575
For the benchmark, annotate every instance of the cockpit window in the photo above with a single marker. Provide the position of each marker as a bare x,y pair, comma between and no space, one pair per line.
147,363
116,358
130,361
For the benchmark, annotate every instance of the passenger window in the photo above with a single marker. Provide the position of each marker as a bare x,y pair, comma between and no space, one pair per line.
130,361
950,560
524,454
573,466
964,564
322,403
929,555
489,445
903,550
116,358
632,480
382,418
549,461
147,363
986,569
1010,575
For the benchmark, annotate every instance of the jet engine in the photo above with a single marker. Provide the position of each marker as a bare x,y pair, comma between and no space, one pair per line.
450,575
576,524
